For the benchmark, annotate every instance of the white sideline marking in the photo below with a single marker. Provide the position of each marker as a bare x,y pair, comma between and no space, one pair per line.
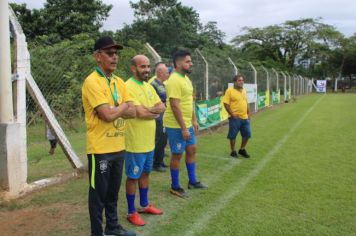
210,180
218,205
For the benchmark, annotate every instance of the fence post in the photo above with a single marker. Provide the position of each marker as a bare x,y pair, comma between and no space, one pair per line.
6,105
301,85
255,81
233,64
277,84
295,85
284,86
153,52
206,75
11,178
267,84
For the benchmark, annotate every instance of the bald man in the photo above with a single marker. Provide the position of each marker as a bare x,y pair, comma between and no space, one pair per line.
140,139
162,75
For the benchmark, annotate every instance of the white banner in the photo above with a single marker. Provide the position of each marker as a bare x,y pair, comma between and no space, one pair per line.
251,90
321,86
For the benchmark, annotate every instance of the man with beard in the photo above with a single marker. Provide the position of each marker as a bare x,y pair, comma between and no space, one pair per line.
181,123
235,102
106,102
140,139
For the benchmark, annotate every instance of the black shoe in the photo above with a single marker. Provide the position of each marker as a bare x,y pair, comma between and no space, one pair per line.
179,192
159,169
233,154
196,185
243,153
119,231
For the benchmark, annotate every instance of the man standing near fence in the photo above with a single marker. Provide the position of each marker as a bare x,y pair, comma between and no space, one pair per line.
181,123
162,75
140,139
106,102
236,104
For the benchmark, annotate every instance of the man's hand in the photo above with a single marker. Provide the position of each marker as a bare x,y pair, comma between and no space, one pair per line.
196,127
185,134
130,112
155,110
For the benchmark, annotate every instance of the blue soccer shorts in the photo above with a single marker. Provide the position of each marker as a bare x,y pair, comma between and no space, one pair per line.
136,163
176,141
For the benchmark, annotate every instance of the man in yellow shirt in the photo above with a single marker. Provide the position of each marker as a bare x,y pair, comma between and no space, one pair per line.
106,102
140,139
181,123
236,104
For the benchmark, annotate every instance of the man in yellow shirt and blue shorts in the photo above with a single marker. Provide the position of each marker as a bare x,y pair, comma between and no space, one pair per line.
236,104
140,139
181,123
106,102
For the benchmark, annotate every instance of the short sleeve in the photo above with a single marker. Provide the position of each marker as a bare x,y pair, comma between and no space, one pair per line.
226,98
94,93
174,89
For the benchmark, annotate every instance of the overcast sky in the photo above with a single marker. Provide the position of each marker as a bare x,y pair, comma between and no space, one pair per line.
232,15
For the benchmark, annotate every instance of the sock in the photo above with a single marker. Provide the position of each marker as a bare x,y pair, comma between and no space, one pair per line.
191,172
130,203
175,178
143,197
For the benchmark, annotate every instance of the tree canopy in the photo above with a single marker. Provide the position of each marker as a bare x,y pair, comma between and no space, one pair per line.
307,46
62,19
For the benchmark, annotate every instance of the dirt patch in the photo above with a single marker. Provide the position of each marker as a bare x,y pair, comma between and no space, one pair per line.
39,221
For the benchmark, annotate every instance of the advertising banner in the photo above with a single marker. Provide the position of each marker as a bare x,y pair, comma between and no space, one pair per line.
208,112
261,100
321,86
276,97
251,90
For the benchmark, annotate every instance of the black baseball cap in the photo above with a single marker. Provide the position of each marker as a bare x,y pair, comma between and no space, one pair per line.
106,42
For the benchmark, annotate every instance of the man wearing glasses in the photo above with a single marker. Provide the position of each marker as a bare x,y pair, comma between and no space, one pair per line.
106,104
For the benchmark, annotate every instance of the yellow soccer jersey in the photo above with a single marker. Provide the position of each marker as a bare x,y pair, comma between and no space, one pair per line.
140,133
179,87
237,101
102,136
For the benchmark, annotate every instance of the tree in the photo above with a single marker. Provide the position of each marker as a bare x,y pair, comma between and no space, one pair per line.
62,19
290,42
30,20
165,24
212,34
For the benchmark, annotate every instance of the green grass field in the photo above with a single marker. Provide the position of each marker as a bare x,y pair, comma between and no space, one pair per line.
301,180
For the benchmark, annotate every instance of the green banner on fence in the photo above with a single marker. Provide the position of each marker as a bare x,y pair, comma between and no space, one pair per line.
261,97
276,97
210,112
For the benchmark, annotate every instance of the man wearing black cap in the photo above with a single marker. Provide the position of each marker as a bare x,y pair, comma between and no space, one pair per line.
106,104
